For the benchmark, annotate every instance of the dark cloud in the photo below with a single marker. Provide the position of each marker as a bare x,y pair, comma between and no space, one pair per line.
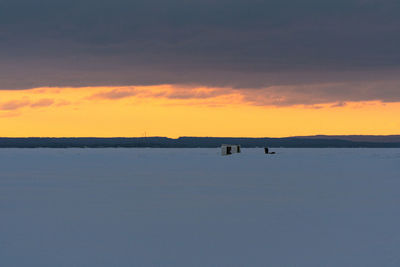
311,94
245,44
17,104
42,103
114,94
14,104
180,93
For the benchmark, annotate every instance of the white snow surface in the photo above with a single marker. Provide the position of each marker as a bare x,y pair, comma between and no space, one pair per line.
194,207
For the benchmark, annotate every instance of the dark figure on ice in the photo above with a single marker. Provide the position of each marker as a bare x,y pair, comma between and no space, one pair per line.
266,150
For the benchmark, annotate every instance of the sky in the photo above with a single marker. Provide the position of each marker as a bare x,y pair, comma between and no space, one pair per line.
199,68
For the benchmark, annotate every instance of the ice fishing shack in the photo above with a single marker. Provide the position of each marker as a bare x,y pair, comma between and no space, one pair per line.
229,149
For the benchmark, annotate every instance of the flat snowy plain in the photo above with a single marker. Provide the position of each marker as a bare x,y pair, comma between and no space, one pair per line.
193,207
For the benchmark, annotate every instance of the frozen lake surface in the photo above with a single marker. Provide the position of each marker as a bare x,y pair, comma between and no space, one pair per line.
193,207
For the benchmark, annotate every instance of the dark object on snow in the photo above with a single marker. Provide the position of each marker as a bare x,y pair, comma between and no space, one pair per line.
266,150
229,149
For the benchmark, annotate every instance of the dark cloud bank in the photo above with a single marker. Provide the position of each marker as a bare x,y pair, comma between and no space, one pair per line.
309,51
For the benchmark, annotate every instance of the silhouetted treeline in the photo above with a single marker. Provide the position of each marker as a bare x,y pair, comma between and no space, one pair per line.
187,142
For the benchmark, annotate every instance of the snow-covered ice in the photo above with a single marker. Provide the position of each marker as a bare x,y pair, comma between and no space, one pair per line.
193,207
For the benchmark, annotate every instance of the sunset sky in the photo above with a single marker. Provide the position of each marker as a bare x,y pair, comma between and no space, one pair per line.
199,68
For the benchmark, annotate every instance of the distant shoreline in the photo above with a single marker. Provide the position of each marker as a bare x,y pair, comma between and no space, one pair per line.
350,141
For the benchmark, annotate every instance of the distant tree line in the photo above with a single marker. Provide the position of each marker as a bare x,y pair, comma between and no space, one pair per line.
187,142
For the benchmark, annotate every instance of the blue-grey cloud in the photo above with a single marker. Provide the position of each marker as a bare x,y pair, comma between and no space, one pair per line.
236,43
17,104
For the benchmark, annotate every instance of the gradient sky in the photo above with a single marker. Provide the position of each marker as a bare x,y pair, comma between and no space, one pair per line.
200,68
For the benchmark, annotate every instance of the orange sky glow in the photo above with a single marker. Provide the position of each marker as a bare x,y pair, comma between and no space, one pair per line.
174,111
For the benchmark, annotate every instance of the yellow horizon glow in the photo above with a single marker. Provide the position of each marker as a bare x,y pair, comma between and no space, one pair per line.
170,111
